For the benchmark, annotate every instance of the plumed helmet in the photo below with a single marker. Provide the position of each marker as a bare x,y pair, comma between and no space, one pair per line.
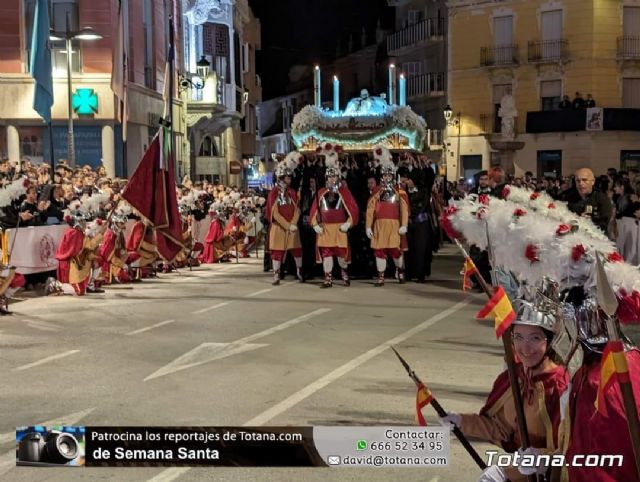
332,165
528,313
383,158
289,164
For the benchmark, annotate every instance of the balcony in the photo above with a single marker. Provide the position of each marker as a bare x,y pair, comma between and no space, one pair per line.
490,124
431,85
435,139
548,51
425,30
629,48
576,120
499,55
215,107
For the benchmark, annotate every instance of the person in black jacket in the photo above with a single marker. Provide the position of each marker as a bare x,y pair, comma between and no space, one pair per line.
33,212
585,201
418,185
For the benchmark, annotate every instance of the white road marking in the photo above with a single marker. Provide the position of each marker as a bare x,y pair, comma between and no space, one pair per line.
210,308
267,290
261,292
167,475
70,419
265,417
207,352
157,325
45,360
322,382
281,326
202,354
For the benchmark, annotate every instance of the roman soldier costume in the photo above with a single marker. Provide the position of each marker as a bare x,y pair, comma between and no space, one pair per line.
387,218
283,214
142,248
333,212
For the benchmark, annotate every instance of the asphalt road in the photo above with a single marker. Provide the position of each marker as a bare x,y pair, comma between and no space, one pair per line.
221,346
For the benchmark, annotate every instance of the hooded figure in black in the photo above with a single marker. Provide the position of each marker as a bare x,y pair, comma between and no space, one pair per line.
418,185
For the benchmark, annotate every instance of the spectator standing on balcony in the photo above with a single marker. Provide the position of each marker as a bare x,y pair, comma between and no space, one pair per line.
585,201
578,101
565,104
589,102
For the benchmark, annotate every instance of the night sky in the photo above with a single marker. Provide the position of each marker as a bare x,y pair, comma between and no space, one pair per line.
307,31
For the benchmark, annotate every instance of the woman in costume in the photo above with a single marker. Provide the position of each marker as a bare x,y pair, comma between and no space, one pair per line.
542,382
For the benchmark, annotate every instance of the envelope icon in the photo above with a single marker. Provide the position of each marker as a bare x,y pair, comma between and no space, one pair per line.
333,460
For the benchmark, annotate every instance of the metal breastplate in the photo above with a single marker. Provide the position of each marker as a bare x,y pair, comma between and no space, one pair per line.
330,201
284,199
389,195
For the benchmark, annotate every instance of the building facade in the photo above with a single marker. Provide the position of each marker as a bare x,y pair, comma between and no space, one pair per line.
537,51
418,48
221,116
98,134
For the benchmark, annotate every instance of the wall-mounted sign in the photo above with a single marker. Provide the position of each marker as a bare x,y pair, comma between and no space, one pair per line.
84,101
235,167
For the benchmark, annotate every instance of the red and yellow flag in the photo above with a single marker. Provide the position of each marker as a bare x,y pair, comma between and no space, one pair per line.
468,270
499,307
423,398
613,367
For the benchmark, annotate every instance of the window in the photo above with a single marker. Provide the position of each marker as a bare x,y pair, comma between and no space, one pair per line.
31,141
550,94
503,31
207,148
62,13
245,57
631,93
631,22
413,17
551,25
412,69
549,164
499,91
147,29
503,40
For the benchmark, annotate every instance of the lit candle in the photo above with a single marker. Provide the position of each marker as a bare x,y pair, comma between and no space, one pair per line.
403,90
392,84
336,94
317,87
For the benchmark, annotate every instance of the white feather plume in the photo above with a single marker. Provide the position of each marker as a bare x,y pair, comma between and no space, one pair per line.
13,191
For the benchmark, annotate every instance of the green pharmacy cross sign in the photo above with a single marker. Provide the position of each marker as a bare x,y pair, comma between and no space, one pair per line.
85,101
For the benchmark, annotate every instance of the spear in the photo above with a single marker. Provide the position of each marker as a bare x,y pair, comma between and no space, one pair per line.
508,355
442,413
608,302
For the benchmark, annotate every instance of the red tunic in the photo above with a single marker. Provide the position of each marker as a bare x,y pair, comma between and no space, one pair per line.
592,433
214,235
136,237
70,246
234,222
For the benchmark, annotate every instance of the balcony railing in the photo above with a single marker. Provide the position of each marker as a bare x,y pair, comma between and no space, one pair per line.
435,138
427,29
548,51
431,84
576,120
490,124
499,55
629,47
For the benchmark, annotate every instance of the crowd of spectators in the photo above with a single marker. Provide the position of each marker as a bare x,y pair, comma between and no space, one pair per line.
604,198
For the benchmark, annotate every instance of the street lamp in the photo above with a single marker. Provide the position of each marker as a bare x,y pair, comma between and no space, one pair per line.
202,70
87,33
453,122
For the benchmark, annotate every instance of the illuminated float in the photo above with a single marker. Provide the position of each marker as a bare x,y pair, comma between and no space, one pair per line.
367,121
